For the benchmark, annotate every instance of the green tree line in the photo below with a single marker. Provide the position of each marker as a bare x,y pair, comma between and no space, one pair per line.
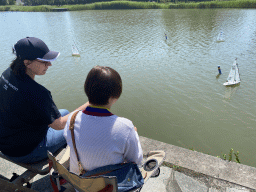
58,2
7,2
74,2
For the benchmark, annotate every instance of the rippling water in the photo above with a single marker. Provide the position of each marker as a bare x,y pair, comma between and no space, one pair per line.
170,91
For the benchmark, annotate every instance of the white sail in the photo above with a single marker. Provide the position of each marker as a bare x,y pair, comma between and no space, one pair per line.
237,75
233,76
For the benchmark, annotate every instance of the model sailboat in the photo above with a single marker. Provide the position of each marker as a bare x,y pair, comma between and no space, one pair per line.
234,76
75,51
220,37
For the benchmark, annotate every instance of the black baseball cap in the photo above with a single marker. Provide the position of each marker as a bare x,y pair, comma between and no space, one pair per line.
32,48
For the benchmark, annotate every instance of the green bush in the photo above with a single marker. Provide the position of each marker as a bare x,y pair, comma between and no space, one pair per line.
5,8
212,5
201,6
247,4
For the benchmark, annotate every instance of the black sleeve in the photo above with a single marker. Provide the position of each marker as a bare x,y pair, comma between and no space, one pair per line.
47,108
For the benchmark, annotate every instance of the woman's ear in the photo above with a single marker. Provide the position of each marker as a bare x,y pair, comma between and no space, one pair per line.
27,62
112,100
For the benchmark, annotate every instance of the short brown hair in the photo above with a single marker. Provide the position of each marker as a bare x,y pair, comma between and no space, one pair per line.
101,84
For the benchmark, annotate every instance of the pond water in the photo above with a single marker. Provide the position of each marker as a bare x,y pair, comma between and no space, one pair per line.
170,89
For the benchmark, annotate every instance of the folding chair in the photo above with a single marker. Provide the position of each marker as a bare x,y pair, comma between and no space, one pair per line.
92,184
32,169
7,186
95,184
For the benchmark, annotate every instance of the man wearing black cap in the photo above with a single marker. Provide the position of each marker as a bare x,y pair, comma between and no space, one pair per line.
30,122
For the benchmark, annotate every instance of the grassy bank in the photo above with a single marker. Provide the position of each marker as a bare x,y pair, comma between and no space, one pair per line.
136,5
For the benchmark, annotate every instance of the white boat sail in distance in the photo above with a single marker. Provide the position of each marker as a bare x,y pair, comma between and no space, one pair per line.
234,76
220,37
75,51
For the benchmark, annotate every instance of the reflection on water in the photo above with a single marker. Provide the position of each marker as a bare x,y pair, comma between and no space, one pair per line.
170,89
230,90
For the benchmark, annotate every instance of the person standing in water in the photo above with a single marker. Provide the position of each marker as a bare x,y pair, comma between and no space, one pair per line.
219,69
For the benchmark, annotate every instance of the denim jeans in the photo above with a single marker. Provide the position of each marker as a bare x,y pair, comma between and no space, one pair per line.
53,141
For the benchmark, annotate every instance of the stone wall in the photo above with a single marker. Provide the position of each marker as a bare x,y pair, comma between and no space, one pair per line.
202,166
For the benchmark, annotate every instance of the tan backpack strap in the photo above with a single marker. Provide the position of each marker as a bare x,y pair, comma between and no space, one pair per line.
71,128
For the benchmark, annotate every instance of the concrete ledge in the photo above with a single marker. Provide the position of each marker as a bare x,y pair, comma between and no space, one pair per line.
202,163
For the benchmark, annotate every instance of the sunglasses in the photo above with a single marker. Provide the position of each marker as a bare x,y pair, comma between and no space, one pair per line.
46,63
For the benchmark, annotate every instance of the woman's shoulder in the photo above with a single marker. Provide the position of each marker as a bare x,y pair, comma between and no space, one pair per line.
66,128
124,121
72,113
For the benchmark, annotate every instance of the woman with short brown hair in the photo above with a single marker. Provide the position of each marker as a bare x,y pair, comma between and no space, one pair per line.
101,137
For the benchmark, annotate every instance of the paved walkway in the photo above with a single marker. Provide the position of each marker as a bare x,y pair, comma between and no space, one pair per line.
173,181
169,180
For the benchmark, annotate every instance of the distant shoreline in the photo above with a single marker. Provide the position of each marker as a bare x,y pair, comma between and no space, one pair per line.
112,5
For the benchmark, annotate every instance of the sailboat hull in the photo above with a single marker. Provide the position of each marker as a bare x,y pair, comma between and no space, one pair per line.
231,83
76,54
